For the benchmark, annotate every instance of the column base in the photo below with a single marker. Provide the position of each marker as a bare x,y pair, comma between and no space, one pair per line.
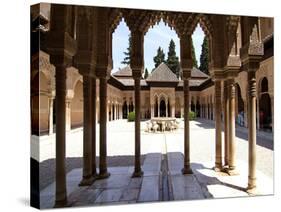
218,169
86,181
137,174
232,171
186,170
60,203
95,175
252,191
103,175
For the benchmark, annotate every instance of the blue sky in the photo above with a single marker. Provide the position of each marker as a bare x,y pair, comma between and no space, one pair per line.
158,35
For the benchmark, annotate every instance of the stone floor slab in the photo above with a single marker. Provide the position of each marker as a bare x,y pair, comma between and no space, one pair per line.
149,189
109,196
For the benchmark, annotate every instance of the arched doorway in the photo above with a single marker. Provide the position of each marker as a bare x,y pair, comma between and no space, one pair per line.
192,107
198,106
113,112
265,119
125,110
131,107
169,110
156,108
162,108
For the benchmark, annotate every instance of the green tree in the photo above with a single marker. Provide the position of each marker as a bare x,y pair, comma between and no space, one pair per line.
127,53
195,64
160,57
145,73
172,60
204,57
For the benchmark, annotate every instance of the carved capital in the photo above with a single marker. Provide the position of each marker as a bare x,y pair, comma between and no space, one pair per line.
61,47
103,72
217,74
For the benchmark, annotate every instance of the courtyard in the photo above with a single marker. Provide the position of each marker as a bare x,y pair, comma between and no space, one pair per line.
162,161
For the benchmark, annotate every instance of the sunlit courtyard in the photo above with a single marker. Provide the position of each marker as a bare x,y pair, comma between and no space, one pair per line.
162,161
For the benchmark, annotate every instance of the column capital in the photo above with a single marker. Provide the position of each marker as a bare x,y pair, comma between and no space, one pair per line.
217,74
86,69
231,73
103,71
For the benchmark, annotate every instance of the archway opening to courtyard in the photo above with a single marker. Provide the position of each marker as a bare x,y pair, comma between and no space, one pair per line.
265,120
125,110
163,108
240,113
77,106
198,107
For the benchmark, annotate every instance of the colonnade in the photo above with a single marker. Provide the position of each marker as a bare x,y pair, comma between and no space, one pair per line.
100,67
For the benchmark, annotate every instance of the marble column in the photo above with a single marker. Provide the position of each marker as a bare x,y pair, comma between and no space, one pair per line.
246,112
137,172
87,178
186,169
94,123
152,111
218,163
51,110
68,114
252,93
258,111
158,104
173,111
232,142
226,118
166,109
61,193
103,119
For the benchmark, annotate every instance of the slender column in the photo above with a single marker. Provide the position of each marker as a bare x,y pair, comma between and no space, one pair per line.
252,130
173,110
232,148
166,109
68,114
87,127
112,112
137,172
186,169
272,112
218,163
226,118
61,193
121,112
107,110
152,111
103,118
258,112
158,104
94,122
51,109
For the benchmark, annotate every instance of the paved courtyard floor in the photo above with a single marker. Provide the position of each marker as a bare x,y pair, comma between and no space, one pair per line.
162,159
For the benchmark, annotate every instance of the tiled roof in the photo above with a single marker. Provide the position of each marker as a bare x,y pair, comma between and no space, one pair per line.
196,73
131,82
124,72
162,74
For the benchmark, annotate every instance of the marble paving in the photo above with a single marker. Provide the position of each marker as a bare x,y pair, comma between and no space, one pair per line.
121,188
162,179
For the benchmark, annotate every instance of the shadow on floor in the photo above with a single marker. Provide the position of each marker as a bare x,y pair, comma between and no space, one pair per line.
47,167
206,181
261,140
